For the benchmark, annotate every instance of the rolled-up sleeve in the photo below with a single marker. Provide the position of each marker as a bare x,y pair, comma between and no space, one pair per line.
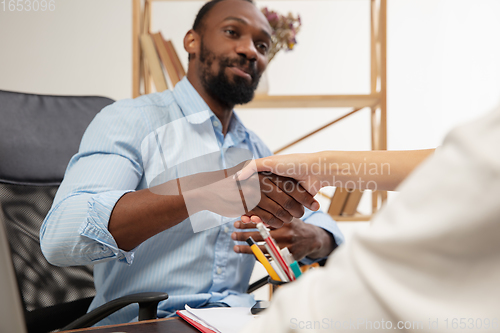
107,166
95,226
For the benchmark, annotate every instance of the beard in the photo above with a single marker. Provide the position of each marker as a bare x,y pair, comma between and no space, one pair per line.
219,86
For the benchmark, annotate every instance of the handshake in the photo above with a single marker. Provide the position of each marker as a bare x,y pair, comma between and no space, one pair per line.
240,191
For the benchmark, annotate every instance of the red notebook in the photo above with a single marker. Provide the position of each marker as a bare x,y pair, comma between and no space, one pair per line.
218,319
200,327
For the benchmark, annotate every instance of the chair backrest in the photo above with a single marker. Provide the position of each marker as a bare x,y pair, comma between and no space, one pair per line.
11,313
38,136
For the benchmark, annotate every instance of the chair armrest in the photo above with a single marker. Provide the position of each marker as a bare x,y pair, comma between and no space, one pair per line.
148,304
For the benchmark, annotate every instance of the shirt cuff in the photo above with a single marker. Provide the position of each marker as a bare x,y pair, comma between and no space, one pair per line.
325,222
238,300
95,227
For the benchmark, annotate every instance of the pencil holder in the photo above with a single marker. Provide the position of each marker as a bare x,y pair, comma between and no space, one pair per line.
274,285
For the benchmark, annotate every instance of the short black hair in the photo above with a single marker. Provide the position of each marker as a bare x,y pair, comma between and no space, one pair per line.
198,21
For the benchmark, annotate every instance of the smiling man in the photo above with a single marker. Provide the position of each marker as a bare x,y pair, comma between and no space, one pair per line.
110,213
232,54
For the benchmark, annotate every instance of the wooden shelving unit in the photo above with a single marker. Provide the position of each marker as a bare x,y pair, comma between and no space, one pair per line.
376,101
312,101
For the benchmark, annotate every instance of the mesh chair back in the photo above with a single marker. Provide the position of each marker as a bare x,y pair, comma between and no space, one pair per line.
38,136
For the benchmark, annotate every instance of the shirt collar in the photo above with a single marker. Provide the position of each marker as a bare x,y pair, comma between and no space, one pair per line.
238,130
191,103
189,100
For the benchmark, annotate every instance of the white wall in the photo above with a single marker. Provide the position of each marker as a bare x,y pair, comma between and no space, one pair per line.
443,63
82,47
444,67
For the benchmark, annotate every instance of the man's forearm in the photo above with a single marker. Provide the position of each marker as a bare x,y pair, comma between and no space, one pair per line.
140,215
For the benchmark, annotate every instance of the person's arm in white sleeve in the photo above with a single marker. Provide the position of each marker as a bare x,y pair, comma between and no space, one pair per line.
430,256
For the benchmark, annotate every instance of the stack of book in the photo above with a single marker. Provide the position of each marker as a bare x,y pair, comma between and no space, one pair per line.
344,202
162,60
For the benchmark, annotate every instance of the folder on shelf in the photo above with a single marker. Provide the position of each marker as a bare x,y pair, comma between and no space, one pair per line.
344,202
153,61
338,201
166,58
175,59
352,202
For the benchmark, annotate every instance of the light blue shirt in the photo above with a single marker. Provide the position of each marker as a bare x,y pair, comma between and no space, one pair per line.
194,268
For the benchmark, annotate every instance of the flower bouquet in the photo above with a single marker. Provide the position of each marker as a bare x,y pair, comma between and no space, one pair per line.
285,28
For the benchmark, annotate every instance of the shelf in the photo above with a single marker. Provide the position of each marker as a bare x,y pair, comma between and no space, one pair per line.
199,0
376,100
354,218
312,101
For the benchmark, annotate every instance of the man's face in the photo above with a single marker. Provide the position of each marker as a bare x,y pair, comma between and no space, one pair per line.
235,39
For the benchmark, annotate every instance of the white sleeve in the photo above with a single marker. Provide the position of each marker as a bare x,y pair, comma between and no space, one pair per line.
430,261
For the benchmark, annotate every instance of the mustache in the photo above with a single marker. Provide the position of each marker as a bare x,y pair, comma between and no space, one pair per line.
249,66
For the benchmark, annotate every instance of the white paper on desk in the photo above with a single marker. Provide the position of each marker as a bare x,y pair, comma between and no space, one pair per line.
223,320
186,313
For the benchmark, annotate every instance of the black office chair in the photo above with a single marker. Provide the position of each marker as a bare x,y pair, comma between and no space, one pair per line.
38,136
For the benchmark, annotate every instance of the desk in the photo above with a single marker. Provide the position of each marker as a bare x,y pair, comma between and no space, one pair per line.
169,325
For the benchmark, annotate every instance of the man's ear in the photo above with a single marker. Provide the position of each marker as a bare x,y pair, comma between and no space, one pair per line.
192,42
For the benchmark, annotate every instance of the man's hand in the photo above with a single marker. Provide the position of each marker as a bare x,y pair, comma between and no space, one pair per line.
275,199
302,167
282,200
302,239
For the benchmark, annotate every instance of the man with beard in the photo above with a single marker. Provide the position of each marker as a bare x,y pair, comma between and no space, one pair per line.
116,209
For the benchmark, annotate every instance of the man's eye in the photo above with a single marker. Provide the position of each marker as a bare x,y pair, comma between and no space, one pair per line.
263,47
230,32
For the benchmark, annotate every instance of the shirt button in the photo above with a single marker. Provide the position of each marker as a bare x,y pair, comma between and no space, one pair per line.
226,230
216,123
219,270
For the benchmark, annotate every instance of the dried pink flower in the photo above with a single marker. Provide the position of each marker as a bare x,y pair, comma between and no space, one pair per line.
285,28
